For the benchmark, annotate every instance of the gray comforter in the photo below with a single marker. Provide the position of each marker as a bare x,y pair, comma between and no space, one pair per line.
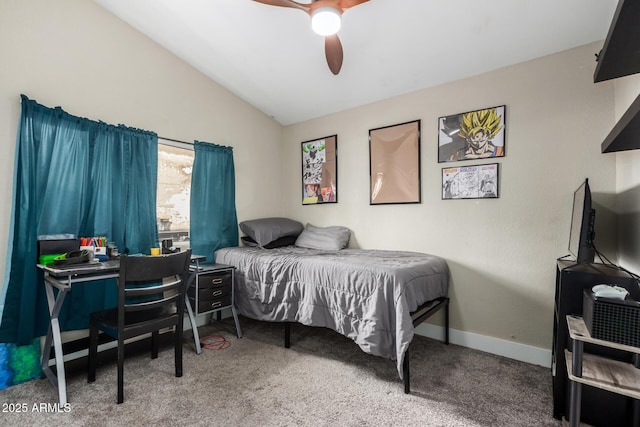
366,295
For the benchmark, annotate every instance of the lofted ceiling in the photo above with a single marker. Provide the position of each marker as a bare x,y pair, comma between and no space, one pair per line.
270,57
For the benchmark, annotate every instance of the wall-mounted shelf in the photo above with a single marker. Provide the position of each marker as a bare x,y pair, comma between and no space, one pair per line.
625,135
620,55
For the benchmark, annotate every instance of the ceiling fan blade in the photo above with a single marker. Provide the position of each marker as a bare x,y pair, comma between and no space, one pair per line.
285,3
346,4
333,52
342,5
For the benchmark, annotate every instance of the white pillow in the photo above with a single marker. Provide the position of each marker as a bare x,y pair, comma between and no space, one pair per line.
331,238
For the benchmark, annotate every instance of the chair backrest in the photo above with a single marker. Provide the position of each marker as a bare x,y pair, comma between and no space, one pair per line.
148,283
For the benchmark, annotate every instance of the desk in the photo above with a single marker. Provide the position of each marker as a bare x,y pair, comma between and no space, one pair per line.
63,278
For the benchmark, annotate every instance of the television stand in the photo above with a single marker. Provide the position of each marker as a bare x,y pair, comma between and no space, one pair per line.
599,407
594,371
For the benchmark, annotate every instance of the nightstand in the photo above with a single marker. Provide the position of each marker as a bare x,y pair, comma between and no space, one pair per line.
211,291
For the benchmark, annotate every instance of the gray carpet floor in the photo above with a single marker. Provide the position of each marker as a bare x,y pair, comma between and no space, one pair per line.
324,379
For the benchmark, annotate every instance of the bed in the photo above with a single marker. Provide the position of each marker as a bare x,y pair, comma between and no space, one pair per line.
374,297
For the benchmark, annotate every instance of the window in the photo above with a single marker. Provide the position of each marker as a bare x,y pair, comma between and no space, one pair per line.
175,163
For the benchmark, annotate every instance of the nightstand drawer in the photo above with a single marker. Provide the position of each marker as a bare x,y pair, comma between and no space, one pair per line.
209,304
210,293
214,279
211,290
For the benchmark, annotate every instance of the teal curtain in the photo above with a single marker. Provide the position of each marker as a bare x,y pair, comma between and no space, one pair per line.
214,223
81,177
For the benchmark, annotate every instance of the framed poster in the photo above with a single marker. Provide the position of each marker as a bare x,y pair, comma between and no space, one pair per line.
394,164
478,134
320,171
470,182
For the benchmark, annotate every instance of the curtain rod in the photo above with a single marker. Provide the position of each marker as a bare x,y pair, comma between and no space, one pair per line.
175,140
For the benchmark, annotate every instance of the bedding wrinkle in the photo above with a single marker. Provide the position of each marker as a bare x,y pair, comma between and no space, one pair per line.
365,295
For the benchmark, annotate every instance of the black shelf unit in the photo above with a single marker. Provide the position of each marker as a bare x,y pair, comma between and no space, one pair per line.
599,407
619,57
625,135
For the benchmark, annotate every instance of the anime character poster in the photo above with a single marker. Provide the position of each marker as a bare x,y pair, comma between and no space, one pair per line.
470,182
478,134
319,171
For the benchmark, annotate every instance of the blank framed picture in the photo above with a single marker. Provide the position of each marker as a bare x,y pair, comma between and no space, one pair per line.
394,164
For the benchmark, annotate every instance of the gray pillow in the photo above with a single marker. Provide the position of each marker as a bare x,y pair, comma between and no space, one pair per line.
278,243
267,230
331,238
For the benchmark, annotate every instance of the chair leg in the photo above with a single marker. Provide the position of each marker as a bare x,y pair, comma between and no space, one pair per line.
120,370
178,351
93,354
154,344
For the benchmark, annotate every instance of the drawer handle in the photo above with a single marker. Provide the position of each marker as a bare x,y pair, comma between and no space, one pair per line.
216,293
216,281
216,304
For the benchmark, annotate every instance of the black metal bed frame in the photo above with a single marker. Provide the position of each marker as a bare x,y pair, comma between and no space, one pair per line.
423,312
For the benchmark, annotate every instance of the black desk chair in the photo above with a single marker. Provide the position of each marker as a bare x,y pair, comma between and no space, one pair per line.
143,306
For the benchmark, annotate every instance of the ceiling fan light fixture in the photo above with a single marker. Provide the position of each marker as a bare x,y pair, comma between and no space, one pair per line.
326,20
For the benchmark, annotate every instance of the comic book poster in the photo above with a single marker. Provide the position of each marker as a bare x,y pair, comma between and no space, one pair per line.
319,171
470,182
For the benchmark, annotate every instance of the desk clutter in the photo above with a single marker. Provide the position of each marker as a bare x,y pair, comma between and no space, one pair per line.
76,251
97,246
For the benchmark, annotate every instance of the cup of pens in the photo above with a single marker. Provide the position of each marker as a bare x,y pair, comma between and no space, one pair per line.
97,245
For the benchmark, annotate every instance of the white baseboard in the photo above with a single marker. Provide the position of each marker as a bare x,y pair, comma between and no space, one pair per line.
510,349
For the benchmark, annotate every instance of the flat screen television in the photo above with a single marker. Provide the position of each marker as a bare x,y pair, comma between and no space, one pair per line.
582,232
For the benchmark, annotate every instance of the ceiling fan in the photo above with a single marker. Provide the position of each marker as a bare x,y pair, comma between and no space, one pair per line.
325,20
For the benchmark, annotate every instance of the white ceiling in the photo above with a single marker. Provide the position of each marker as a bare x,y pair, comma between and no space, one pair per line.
270,57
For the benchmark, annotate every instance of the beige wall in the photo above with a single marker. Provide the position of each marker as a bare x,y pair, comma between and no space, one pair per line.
627,89
501,252
74,54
